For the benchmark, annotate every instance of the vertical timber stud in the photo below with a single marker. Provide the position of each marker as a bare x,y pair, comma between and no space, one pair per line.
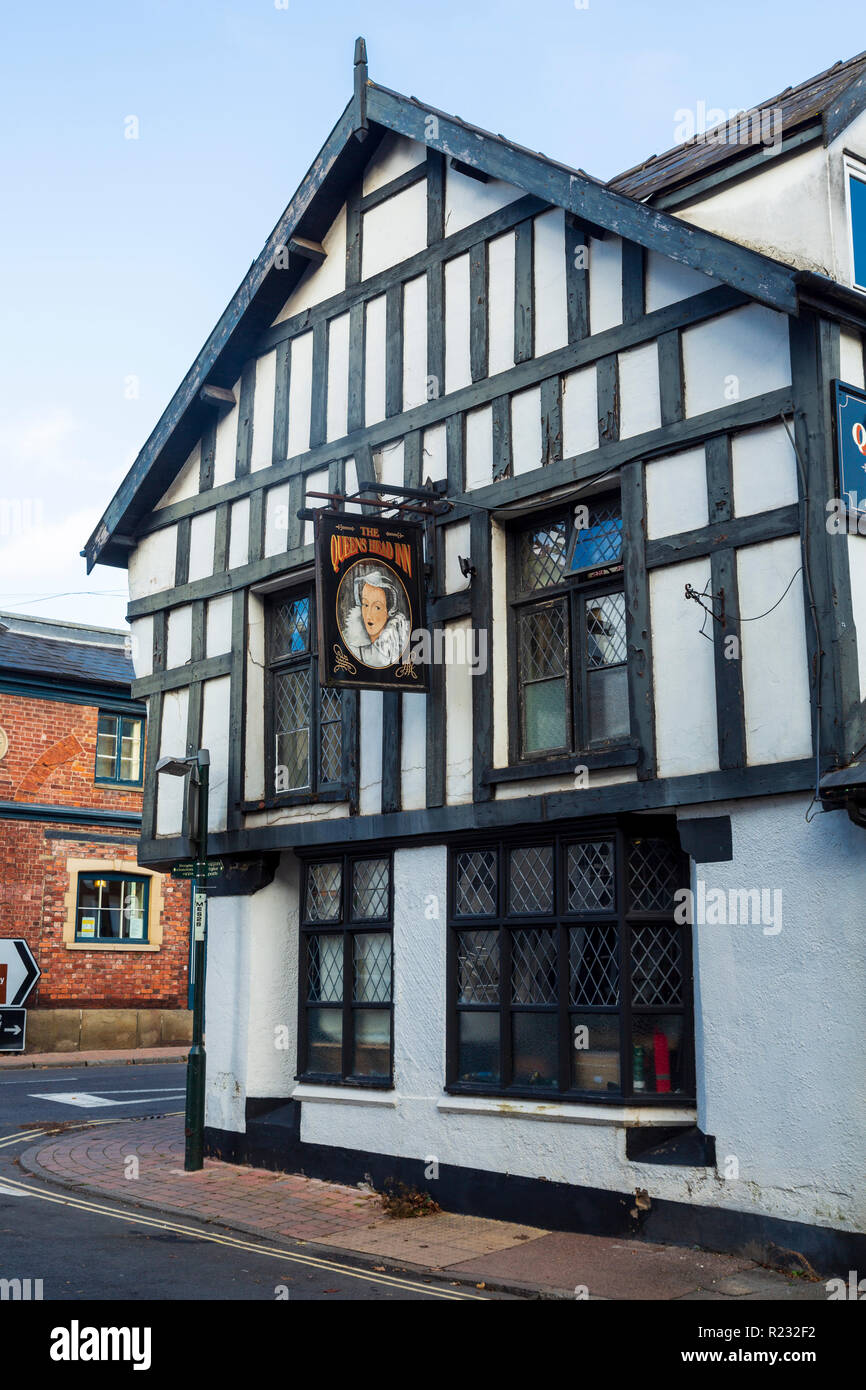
576,278
392,740
632,282
607,386
353,237
501,438
729,678
181,561
221,541
455,448
244,447
671,388
551,420
295,527
393,350
524,335
717,453
256,543
412,459
349,705
319,406
283,376
435,276
637,617
478,331
237,710
206,462
480,595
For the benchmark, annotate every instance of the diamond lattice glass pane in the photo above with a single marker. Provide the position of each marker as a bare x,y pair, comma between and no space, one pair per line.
370,883
291,725
290,627
324,882
600,541
476,883
478,967
656,966
545,716
593,966
542,641
533,966
372,956
653,875
324,969
542,555
292,772
605,631
331,706
531,879
589,873
331,738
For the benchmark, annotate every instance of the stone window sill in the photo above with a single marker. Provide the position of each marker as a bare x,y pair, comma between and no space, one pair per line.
573,1113
111,946
345,1095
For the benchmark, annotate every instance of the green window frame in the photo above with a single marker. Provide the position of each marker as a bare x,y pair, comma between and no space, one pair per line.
112,907
119,749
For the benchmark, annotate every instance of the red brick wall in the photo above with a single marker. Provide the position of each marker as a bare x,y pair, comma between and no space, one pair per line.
52,756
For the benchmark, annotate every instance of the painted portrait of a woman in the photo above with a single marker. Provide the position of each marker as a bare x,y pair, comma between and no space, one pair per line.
376,627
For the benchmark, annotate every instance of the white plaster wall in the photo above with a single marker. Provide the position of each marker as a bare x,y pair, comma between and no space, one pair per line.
218,626
151,563
458,722
676,493
526,430
668,281
851,359
351,482
374,361
467,200
272,1027
225,450
215,737
388,463
276,518
300,394
579,412
605,283
201,545
764,468
178,641
414,342
313,482
737,355
479,447
170,791
639,404
456,544
543,786
457,365
852,140
683,672
370,741
338,376
288,815
774,655
413,753
254,661
857,571
500,303
227,1009
239,533
395,155
186,483
395,230
141,634
261,454
551,310
319,283
434,463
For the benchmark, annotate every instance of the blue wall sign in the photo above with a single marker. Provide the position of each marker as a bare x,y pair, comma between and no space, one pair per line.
850,410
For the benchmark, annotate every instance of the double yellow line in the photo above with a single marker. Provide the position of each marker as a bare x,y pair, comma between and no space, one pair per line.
214,1238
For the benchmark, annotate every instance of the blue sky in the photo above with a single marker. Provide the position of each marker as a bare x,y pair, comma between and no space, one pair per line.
117,256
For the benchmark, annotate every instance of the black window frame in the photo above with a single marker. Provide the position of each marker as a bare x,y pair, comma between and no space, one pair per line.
117,779
319,789
573,591
111,876
623,915
349,926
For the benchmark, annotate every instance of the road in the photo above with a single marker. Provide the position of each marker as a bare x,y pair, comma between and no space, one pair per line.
85,1248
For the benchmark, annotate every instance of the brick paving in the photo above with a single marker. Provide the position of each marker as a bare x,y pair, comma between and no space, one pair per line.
467,1248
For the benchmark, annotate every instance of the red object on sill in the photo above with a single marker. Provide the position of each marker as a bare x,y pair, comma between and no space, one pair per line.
662,1061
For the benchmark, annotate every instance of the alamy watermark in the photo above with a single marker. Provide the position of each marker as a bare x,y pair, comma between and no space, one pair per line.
736,907
714,126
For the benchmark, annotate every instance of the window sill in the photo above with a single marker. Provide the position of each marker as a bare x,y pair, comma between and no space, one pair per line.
111,946
594,759
575,1112
301,798
111,784
345,1095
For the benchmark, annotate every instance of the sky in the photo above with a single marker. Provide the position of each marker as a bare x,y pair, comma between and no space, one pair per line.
118,255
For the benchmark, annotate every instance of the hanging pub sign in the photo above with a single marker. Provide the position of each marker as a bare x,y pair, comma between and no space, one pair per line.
369,600
850,409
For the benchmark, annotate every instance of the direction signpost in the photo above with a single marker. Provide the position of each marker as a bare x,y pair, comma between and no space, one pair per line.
18,974
197,868
13,1023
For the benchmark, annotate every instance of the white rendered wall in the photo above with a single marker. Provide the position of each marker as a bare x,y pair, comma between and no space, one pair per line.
551,310
300,394
272,1027
526,430
479,447
458,720
321,282
395,230
313,482
141,633
434,462
684,680
202,532
669,281
338,376
261,453
228,985
218,627
579,412
676,493
172,742
225,449
639,404
737,355
500,303
851,359
456,544
370,739
774,656
186,483
215,737
467,200
178,641
276,517
414,342
151,563
374,361
605,283
764,468
457,366
413,753
395,155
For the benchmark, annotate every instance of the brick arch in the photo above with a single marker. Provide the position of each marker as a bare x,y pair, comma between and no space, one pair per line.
59,753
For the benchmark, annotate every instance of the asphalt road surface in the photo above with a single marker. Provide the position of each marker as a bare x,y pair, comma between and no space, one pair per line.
90,1248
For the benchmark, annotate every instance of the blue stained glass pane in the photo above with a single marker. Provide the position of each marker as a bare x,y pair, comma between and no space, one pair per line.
858,229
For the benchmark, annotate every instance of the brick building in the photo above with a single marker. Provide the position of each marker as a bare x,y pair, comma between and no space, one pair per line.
111,938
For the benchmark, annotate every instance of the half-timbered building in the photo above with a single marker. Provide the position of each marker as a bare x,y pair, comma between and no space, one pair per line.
574,937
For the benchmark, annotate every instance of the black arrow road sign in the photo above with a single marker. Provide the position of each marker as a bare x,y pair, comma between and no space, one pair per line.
19,968
12,1027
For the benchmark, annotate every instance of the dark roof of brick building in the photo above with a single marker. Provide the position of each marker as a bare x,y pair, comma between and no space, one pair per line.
65,661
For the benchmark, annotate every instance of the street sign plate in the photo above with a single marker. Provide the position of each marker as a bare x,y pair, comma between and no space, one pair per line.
18,971
199,915
190,868
850,403
13,1023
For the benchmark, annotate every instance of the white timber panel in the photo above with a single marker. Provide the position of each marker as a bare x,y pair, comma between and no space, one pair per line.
579,412
458,371
395,155
737,355
857,570
851,359
141,634
338,376
526,430
215,737
261,454
374,361
479,447
775,660
764,468
239,533
388,463
370,777
413,753
414,342
434,463
458,716
186,483
218,626
300,394
225,451
669,281
321,282
551,309
172,742
605,283
351,484
683,673
467,200
499,643
151,563
676,493
500,303
276,518
639,404
314,482
178,643
456,544
395,230
254,737
201,543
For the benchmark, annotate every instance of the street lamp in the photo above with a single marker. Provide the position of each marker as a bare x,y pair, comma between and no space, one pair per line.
197,767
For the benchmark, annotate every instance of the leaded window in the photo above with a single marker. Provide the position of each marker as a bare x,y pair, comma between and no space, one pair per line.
569,632
569,975
303,719
119,748
346,970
